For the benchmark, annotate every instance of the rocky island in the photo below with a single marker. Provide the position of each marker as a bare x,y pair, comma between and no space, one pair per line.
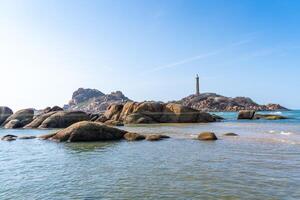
212,102
94,101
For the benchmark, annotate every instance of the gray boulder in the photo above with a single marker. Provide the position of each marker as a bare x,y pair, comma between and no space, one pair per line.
246,114
87,132
5,112
19,119
63,119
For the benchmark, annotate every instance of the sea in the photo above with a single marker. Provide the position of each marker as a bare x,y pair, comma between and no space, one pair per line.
263,162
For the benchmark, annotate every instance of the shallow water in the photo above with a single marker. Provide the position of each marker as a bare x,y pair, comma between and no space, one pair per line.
262,163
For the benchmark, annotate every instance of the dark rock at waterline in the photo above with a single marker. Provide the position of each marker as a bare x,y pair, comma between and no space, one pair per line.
88,131
246,114
134,136
269,117
5,112
27,137
230,134
156,137
207,136
63,119
19,119
9,138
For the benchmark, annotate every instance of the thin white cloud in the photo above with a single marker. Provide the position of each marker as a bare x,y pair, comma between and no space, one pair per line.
198,57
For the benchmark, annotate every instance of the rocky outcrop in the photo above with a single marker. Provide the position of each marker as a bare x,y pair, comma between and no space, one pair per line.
155,112
5,112
251,114
207,136
211,102
94,101
19,119
88,131
63,119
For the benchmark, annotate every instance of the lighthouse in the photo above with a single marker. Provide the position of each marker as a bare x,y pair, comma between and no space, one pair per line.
197,85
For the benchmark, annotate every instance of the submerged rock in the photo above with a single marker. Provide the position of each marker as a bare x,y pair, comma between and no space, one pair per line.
230,134
88,131
156,137
27,137
269,117
9,138
5,112
246,114
19,119
134,136
207,136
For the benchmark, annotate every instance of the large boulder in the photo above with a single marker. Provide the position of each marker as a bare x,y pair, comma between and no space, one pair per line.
246,114
20,118
39,120
176,113
63,119
5,112
207,136
113,112
156,112
88,131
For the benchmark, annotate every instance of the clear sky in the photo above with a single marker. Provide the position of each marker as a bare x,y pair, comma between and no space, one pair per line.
150,50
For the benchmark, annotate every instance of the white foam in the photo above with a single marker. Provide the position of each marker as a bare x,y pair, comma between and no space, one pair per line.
276,113
286,133
271,131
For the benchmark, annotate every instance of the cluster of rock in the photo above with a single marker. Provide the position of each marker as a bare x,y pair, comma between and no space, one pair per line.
54,117
87,131
211,102
94,131
153,112
116,114
251,114
94,101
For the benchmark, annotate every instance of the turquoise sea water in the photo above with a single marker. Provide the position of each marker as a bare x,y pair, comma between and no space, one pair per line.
262,163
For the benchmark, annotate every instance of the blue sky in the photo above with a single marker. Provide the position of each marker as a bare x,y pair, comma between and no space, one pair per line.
150,50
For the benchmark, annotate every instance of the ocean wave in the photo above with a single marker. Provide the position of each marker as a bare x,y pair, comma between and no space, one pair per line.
281,132
276,113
